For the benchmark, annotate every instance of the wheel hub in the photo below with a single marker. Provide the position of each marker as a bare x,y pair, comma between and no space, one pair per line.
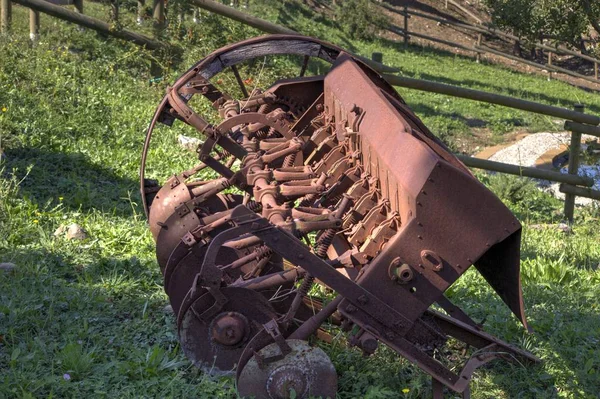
229,328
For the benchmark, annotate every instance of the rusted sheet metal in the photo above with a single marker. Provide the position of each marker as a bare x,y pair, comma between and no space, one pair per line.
398,219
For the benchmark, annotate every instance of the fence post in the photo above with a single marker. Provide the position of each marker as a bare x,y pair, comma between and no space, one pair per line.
5,15
478,56
78,6
405,24
140,12
596,70
549,65
159,17
377,57
574,149
114,12
34,25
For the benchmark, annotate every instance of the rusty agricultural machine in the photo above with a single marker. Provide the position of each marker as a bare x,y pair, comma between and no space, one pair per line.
326,180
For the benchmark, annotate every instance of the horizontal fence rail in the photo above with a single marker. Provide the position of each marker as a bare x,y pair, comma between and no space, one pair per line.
524,171
484,96
577,121
91,23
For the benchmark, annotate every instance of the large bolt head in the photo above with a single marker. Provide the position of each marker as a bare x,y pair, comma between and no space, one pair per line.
287,379
229,328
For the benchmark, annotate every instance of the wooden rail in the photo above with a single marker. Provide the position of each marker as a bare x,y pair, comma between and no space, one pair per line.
91,23
479,48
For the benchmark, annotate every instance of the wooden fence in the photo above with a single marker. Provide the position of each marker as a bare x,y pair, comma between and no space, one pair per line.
577,121
480,47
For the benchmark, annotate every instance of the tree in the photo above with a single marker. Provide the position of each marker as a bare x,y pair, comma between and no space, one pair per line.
564,21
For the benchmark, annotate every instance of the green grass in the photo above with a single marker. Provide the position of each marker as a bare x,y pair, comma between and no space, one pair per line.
77,106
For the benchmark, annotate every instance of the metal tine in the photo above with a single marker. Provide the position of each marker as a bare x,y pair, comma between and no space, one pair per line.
240,81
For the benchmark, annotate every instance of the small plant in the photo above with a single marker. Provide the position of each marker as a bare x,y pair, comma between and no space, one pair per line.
76,362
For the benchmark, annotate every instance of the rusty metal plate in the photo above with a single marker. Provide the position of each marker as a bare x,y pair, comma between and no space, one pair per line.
305,372
216,344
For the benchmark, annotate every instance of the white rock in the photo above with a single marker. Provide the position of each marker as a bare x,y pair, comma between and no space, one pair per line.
76,232
564,227
168,309
60,231
189,143
528,150
7,266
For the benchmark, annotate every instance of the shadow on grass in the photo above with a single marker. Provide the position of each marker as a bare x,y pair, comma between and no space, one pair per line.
73,179
105,305
288,15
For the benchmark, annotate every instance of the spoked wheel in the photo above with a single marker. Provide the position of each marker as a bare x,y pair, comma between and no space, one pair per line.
260,120
305,371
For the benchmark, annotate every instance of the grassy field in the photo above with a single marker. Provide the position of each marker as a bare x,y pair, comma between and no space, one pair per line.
86,318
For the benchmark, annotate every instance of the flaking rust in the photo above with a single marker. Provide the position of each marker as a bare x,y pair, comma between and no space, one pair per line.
395,217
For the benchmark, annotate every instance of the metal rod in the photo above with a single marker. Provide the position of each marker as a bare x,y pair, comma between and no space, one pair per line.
457,91
88,22
574,150
311,325
272,280
525,171
240,81
304,65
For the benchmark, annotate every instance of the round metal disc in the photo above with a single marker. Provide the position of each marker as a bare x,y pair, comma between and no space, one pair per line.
179,276
175,226
182,275
172,194
216,343
305,372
